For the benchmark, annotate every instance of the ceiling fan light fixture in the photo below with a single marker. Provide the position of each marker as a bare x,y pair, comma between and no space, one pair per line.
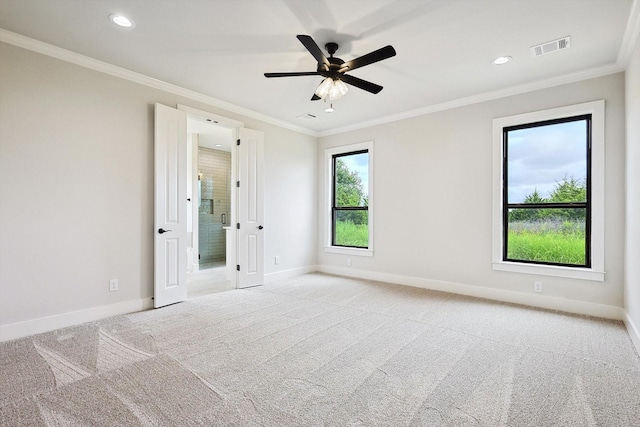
338,90
331,89
323,88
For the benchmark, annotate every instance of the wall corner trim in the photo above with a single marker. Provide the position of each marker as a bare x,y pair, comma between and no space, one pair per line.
631,34
634,332
45,324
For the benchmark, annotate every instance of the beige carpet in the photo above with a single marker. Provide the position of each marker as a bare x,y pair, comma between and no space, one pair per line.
325,351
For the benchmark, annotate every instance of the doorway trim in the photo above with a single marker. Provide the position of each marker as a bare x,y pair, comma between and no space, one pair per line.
214,118
234,126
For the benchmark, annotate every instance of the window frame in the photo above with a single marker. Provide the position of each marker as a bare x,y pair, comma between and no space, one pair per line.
330,209
335,208
586,205
595,211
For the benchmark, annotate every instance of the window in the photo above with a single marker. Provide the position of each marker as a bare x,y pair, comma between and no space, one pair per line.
350,196
546,211
549,192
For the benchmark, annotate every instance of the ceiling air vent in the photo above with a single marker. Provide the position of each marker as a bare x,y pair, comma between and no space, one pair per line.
552,46
307,116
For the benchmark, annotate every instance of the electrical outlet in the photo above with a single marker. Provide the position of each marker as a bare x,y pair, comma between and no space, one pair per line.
537,286
349,262
277,260
113,285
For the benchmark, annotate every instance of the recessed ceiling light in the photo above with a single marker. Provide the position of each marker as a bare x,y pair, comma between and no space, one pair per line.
501,60
218,145
121,20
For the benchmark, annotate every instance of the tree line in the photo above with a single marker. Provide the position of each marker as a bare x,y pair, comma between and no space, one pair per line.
568,190
350,192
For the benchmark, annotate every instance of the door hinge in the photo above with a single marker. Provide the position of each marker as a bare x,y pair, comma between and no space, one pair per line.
238,226
238,142
238,267
198,256
238,184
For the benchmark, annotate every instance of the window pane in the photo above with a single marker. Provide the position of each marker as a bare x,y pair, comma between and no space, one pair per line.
555,235
352,180
352,228
548,163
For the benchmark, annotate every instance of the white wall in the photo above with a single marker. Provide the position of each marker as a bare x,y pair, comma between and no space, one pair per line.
290,200
632,264
76,193
76,190
433,192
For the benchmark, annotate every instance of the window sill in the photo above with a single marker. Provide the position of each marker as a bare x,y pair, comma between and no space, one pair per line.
349,251
551,270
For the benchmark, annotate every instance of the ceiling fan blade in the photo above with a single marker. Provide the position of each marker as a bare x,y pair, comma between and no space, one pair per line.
315,97
313,49
375,56
293,74
361,84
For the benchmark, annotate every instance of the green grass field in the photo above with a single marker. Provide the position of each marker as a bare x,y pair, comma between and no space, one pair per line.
544,242
350,234
564,245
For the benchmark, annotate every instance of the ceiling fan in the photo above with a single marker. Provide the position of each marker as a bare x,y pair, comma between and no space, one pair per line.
334,69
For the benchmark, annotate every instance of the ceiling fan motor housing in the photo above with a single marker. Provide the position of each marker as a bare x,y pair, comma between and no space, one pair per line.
335,64
331,48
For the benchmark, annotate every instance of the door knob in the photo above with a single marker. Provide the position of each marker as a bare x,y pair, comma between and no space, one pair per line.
160,230
259,227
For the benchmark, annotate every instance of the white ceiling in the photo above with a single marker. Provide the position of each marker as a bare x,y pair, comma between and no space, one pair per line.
444,48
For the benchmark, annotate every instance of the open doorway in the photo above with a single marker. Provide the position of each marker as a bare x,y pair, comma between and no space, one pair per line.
177,206
210,255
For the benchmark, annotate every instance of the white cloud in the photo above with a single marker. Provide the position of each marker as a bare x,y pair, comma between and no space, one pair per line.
539,157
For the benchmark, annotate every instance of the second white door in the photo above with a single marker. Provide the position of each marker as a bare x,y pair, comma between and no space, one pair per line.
250,224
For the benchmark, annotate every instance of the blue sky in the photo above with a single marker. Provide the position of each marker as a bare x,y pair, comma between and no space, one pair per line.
541,156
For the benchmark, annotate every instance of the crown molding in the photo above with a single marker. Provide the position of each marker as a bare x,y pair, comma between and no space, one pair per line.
629,40
626,49
123,73
483,97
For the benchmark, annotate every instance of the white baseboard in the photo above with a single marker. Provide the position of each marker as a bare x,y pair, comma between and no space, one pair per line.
46,324
288,274
634,332
551,303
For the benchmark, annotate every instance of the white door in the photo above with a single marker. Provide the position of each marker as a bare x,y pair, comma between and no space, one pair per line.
250,258
170,225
